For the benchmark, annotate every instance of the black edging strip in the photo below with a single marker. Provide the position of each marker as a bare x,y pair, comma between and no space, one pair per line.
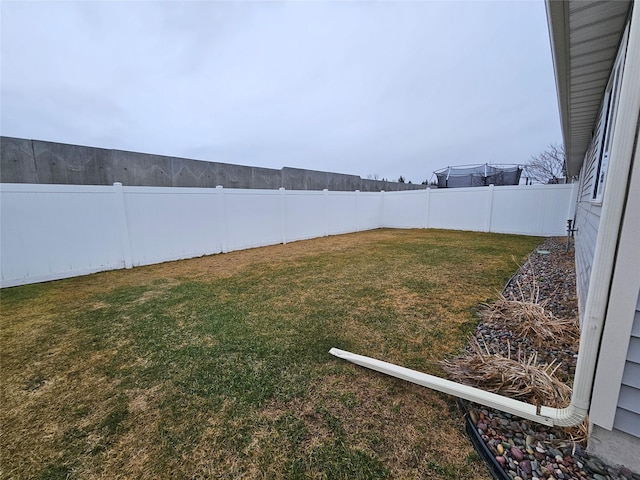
496,470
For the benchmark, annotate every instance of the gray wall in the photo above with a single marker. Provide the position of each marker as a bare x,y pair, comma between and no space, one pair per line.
35,161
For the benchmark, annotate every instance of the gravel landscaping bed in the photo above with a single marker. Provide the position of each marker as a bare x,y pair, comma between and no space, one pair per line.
526,450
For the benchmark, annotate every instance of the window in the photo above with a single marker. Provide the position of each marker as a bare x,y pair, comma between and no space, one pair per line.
609,108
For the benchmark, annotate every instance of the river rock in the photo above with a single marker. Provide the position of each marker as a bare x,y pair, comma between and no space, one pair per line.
516,453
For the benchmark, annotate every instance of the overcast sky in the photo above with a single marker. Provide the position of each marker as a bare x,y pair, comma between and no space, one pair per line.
386,88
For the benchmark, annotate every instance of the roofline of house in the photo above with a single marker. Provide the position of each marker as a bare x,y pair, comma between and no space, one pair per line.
568,21
558,26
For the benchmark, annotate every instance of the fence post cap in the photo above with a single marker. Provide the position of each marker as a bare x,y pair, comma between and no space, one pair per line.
219,186
117,184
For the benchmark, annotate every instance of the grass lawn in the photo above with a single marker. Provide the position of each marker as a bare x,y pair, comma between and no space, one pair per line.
218,367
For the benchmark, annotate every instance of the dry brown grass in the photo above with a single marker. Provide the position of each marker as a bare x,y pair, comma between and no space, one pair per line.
348,408
522,378
100,374
530,319
527,316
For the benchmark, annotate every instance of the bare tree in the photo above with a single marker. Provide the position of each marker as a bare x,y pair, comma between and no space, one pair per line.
548,166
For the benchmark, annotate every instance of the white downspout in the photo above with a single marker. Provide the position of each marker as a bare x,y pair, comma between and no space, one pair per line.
626,123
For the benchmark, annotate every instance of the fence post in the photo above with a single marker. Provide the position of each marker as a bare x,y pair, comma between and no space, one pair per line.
283,216
121,212
222,220
326,211
357,205
381,223
427,206
490,210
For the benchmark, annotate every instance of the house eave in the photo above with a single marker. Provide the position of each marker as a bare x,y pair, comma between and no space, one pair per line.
584,37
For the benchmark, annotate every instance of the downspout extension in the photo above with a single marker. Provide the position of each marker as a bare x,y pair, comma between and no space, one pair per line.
572,415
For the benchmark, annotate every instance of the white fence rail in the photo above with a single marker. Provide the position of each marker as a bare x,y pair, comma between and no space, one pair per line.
49,232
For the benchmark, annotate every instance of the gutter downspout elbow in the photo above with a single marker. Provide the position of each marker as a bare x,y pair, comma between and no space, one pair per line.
565,417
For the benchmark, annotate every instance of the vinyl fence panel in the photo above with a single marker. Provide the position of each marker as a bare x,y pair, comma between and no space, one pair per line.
253,218
342,212
528,210
405,211
369,210
56,231
534,210
460,208
167,223
305,214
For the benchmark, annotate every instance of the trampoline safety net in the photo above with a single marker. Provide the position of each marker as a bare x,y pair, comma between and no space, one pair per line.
478,175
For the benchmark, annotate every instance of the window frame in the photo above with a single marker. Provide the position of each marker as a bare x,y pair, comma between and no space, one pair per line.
608,116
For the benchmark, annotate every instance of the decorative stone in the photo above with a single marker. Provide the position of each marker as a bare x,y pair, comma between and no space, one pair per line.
516,453
554,453
529,450
595,466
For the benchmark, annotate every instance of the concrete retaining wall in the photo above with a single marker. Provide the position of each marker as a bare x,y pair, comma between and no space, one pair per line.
39,162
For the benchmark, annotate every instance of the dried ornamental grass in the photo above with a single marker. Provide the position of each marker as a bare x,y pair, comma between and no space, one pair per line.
532,321
520,378
528,317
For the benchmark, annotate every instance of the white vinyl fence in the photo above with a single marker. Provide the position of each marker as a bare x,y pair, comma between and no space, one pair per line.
541,210
50,232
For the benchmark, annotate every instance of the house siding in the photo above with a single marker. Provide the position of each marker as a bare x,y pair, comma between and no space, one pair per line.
627,417
587,217
615,408
587,222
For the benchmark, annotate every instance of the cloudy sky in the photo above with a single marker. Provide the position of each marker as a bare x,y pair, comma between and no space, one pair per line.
386,88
